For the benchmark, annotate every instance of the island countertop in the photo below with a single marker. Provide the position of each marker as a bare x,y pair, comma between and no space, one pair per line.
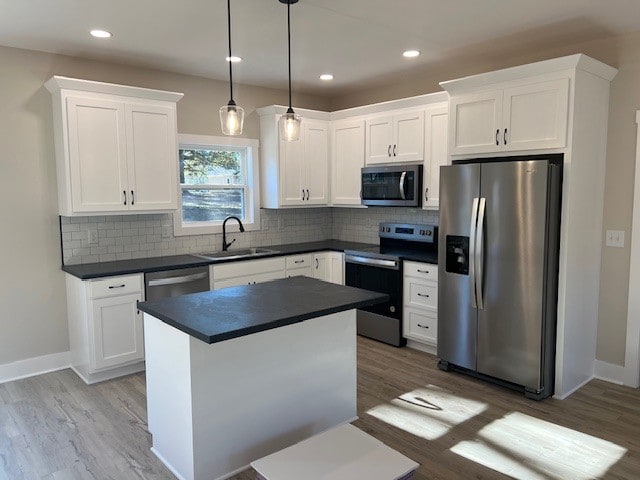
234,312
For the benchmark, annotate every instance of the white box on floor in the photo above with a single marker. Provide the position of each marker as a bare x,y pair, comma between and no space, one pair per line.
342,453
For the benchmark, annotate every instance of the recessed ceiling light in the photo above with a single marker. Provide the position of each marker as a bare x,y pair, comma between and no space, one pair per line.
411,53
100,33
233,59
326,77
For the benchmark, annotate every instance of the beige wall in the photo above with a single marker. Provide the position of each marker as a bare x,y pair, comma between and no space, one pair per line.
32,292
622,52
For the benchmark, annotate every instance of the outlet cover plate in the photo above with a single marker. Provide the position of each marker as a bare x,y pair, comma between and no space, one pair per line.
615,238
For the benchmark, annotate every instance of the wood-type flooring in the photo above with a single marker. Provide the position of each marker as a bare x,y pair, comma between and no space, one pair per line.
54,427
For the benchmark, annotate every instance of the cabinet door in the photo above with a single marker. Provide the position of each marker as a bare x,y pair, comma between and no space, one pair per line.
476,123
379,140
97,155
152,157
408,137
436,153
321,266
535,116
117,331
292,172
347,160
336,268
316,159
420,325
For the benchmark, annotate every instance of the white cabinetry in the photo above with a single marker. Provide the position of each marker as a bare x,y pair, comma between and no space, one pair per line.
116,147
298,265
347,160
395,138
436,124
329,266
420,305
515,116
294,173
105,326
246,272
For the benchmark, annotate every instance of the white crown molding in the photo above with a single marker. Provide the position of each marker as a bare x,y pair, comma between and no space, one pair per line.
57,83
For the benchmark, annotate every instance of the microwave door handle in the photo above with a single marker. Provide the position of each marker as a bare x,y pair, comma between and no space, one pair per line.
472,252
402,194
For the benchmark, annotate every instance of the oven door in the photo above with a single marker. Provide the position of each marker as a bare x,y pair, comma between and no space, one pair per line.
381,322
392,186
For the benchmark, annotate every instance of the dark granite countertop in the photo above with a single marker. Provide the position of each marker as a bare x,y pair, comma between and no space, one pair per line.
154,264
238,311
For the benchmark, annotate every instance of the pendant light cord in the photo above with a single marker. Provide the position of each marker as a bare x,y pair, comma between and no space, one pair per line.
289,41
230,62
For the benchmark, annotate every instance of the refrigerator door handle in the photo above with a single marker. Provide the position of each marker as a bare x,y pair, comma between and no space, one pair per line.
479,251
472,251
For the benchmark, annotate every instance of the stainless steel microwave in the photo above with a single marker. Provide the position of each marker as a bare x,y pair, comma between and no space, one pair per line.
392,186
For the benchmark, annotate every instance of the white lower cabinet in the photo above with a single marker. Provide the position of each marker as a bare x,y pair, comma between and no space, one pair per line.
106,335
329,266
420,305
298,265
246,272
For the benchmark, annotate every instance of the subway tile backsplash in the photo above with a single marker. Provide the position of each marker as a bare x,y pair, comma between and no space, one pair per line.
123,237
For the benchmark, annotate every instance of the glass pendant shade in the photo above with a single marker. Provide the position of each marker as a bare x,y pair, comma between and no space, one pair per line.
231,119
290,127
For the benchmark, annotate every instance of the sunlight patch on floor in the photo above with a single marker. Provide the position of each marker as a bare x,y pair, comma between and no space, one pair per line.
427,412
525,447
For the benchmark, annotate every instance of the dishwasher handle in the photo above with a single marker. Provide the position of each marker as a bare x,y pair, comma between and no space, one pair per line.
176,280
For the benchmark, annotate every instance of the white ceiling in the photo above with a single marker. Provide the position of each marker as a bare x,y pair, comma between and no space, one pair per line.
358,41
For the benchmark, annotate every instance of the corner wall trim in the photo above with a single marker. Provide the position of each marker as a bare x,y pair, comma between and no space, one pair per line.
34,366
573,390
610,372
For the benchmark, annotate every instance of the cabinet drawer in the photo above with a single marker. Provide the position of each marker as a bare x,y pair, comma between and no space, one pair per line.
421,325
298,272
299,261
426,271
111,286
420,294
247,267
247,280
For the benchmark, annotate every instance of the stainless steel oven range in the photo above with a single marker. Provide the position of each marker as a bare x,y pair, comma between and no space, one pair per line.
380,269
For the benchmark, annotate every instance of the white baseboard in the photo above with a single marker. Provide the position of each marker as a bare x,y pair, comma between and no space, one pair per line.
34,366
573,390
423,347
610,372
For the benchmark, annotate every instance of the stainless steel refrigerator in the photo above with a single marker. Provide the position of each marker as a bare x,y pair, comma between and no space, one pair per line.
498,269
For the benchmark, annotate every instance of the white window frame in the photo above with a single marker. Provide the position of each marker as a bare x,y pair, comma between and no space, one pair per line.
252,196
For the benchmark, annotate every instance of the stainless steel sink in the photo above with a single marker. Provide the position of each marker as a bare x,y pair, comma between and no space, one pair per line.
239,253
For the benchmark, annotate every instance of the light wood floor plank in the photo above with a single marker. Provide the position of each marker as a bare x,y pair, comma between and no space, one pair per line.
54,427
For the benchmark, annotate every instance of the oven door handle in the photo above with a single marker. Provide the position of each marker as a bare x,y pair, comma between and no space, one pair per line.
376,262
403,195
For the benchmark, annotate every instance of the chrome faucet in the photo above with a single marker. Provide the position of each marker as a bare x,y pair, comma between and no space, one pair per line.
226,245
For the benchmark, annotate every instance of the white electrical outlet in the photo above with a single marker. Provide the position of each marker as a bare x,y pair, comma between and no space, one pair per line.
92,236
166,231
615,238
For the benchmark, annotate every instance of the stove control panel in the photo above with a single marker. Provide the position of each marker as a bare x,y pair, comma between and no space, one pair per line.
408,231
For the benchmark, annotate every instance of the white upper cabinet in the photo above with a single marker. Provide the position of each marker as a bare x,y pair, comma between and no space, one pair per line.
516,117
395,138
294,173
116,147
347,160
436,124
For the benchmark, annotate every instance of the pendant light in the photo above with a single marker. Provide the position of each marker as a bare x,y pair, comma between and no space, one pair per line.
289,122
231,115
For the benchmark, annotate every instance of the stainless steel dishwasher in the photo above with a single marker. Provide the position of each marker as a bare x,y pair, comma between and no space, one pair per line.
171,283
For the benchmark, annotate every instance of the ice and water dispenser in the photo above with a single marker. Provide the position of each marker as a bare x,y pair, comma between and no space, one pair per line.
457,254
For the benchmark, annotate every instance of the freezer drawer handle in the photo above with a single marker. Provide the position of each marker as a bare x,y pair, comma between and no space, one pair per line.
472,251
480,252
176,280
423,326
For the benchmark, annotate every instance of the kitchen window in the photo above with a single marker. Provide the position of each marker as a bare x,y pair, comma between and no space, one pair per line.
218,177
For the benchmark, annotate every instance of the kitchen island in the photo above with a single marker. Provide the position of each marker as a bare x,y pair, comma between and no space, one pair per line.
239,373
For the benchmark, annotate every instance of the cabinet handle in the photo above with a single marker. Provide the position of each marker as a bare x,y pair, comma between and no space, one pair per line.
497,134
298,261
117,286
303,194
317,264
124,194
423,295
422,271
133,199
426,196
389,151
307,194
504,137
137,302
394,150
423,326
